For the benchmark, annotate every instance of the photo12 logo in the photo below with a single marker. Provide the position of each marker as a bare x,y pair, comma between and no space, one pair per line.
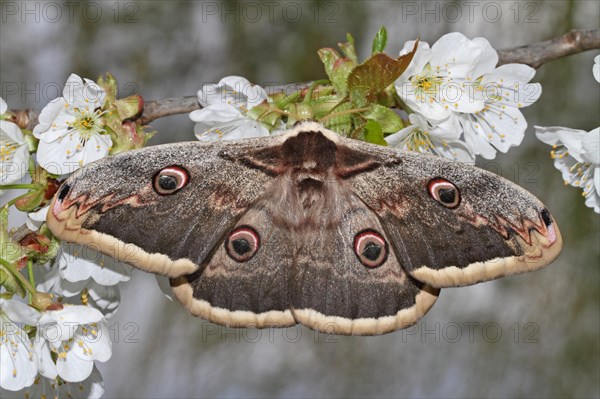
472,11
69,11
271,11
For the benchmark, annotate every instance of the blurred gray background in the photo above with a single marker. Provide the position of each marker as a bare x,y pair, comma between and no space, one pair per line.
534,335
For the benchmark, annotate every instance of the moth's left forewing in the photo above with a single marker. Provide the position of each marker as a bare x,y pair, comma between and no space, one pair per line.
115,207
496,228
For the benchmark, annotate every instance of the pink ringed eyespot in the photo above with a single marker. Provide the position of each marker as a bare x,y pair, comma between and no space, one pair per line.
444,192
171,179
370,248
242,244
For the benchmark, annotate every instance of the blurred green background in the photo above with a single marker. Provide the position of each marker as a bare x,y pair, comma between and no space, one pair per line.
534,335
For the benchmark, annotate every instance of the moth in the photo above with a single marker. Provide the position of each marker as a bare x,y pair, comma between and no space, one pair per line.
307,227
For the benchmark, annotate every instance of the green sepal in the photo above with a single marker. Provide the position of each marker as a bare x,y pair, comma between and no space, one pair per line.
47,185
326,104
388,120
341,124
30,140
299,112
328,57
10,252
348,48
373,133
109,85
3,275
265,114
44,250
259,110
30,201
280,100
125,135
11,283
380,41
375,74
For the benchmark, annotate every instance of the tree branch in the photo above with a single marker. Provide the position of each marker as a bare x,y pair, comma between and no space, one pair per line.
535,55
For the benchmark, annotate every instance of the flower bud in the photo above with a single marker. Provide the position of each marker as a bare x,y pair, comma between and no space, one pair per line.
43,301
129,107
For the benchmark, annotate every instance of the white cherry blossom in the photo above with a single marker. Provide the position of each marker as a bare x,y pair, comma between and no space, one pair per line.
14,154
576,154
79,263
441,139
88,292
78,336
439,80
90,388
224,113
71,129
500,124
18,360
458,77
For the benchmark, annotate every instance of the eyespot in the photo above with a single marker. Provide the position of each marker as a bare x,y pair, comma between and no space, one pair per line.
370,248
171,179
64,190
242,244
444,192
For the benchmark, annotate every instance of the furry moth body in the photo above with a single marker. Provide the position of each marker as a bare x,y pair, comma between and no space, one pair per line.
307,227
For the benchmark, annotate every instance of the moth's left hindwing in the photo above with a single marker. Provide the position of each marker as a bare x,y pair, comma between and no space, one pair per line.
306,227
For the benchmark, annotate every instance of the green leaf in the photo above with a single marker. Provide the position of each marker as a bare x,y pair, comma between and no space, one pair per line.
337,69
389,121
339,77
374,133
348,48
328,57
375,74
380,41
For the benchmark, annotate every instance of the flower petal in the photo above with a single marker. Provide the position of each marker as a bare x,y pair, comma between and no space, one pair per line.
590,147
77,263
216,113
509,85
456,54
18,360
50,127
165,286
105,299
46,365
14,154
80,94
19,312
67,154
72,368
92,342
36,219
